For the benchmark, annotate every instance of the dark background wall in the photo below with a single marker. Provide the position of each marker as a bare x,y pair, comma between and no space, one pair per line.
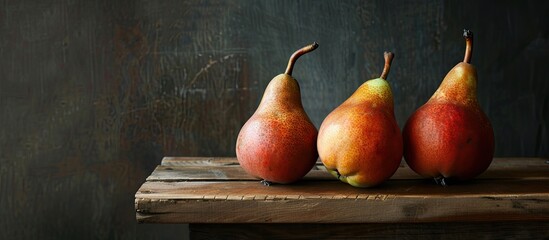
94,93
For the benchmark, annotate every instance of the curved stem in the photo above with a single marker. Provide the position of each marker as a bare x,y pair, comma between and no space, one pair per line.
388,59
468,35
297,54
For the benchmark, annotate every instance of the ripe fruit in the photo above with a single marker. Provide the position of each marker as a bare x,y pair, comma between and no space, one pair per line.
450,137
278,142
360,142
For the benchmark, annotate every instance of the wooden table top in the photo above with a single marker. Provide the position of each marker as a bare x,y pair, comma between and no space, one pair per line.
217,190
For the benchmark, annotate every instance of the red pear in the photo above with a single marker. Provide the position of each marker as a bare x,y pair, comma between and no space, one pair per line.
450,137
278,142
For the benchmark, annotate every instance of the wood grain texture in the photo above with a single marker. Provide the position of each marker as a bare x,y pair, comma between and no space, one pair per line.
512,189
244,204
94,93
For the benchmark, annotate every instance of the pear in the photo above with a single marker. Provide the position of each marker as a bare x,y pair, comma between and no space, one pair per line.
450,137
360,142
278,142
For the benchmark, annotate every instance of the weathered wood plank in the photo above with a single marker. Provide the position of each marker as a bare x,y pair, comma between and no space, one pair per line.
404,209
332,201
217,190
328,189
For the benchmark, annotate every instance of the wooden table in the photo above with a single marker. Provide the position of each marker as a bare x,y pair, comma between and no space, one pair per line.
219,200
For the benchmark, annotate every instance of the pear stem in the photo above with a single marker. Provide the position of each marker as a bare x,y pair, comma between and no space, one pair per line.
468,35
388,59
297,54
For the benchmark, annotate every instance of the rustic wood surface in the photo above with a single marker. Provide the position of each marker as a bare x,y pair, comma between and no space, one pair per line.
209,190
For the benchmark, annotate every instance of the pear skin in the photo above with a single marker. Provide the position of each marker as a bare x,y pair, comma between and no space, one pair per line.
278,142
360,142
450,137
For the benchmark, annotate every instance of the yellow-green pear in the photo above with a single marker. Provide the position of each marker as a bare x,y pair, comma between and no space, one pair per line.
360,142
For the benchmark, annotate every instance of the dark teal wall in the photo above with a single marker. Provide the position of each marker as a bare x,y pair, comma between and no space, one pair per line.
94,93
